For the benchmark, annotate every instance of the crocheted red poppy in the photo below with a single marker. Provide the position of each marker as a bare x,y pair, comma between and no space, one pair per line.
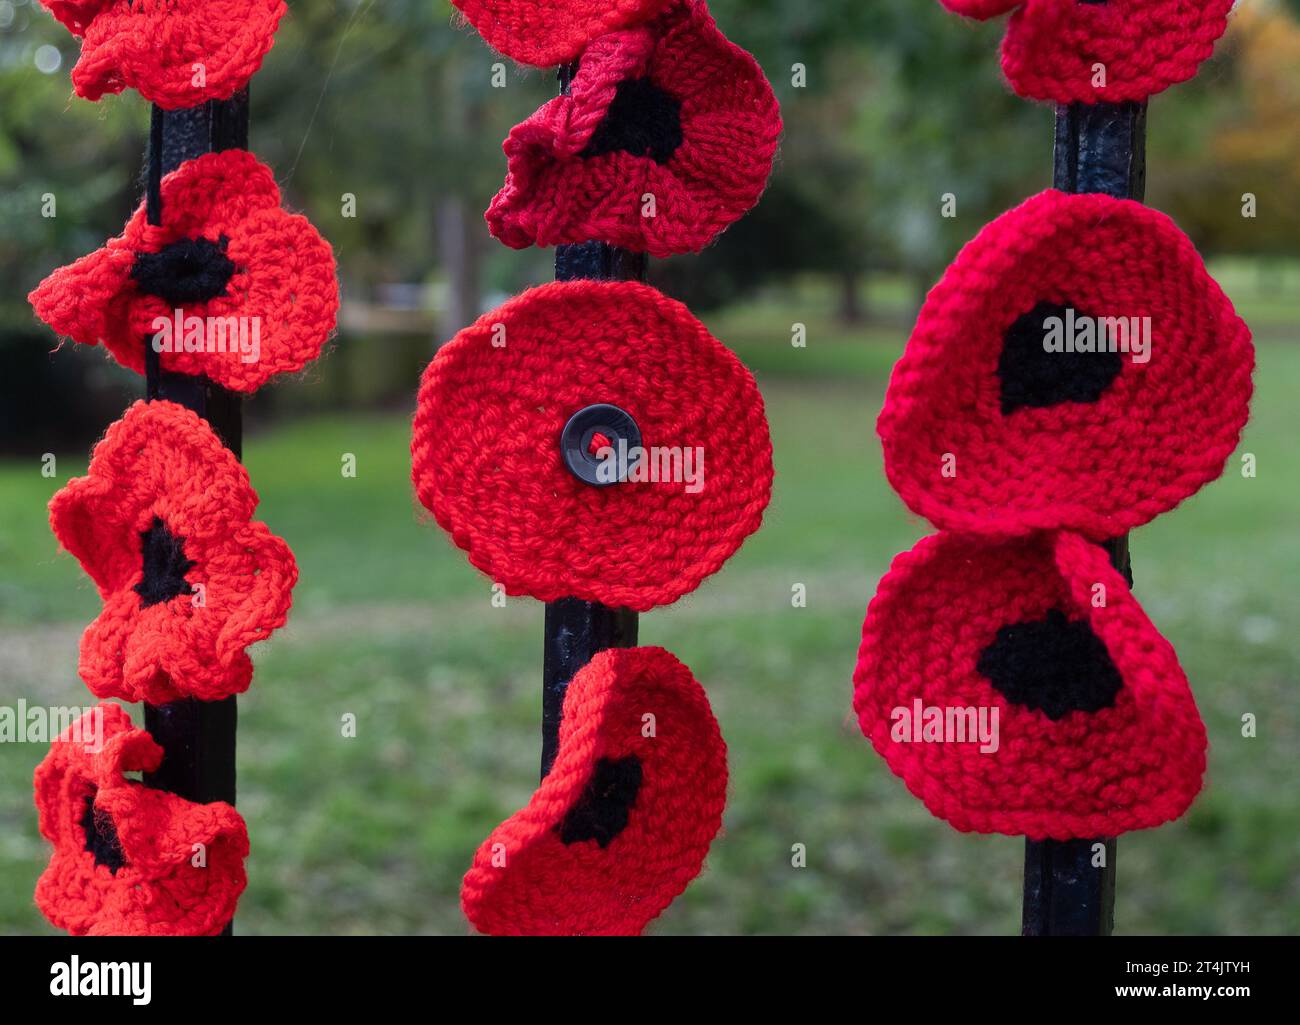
487,456
1096,730
162,522
544,33
1070,51
229,285
175,53
130,860
623,821
985,429
666,137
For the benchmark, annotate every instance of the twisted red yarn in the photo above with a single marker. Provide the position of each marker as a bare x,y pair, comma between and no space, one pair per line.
548,32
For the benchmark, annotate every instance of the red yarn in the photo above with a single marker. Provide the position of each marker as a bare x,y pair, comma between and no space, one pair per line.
486,457
150,835
161,47
549,32
569,180
1158,431
526,880
283,275
160,471
1133,765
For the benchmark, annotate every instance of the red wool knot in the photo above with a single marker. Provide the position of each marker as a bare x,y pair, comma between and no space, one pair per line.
1097,732
544,33
625,818
487,460
163,524
666,138
255,286
130,860
991,425
1067,51
175,53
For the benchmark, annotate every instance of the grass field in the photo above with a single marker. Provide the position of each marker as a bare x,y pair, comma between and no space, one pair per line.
390,623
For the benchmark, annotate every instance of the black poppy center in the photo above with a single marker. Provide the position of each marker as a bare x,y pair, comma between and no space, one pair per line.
190,270
643,120
1034,371
101,837
165,565
601,812
1055,665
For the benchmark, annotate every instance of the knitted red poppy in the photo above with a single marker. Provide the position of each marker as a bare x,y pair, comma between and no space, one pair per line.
487,455
162,522
130,860
229,285
175,53
1096,730
623,821
984,429
1069,51
549,32
666,137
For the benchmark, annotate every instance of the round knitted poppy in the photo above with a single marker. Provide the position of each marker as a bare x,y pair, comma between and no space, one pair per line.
162,522
175,53
623,821
666,137
984,429
1097,732
486,448
130,860
544,33
229,285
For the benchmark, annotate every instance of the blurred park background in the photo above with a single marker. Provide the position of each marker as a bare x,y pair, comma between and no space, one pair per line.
392,102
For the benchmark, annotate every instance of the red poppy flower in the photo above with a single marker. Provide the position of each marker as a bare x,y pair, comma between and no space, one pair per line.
229,285
1096,731
130,860
162,522
597,376
665,138
175,53
623,821
992,424
1069,51
544,33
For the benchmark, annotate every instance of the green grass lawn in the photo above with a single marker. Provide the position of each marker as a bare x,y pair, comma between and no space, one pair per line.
390,623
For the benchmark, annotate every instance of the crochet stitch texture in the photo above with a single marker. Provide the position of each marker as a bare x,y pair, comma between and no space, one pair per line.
544,33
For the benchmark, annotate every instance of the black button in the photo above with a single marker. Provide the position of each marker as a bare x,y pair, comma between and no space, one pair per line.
576,442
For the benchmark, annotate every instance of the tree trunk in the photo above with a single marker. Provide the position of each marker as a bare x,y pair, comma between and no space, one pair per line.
460,255
853,309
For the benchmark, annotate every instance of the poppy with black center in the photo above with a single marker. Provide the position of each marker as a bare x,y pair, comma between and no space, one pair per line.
1030,375
601,812
165,565
190,270
101,837
643,120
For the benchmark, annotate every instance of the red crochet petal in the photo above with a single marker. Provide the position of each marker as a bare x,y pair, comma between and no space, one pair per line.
164,508
271,315
1134,762
124,853
544,33
979,428
486,457
671,110
981,9
75,15
570,863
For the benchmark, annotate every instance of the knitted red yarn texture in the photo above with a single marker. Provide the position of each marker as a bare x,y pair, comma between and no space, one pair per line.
282,282
1132,765
548,32
486,459
145,881
1159,430
162,488
175,53
670,113
526,880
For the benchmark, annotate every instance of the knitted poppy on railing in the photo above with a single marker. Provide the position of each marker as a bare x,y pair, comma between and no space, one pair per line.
1076,367
666,137
1096,732
163,524
229,285
548,32
130,860
175,53
592,440
1093,51
624,819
